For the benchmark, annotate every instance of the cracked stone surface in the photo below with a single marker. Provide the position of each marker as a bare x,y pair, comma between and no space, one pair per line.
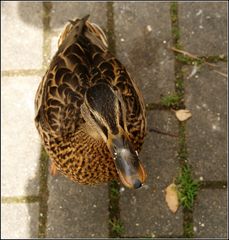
210,214
76,210
206,131
203,27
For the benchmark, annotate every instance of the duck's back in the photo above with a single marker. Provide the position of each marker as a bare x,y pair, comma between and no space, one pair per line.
82,61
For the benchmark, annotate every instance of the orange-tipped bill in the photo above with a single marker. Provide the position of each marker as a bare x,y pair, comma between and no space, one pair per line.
129,168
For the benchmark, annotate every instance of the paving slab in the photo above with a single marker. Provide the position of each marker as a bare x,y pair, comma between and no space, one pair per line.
19,37
206,98
143,34
63,11
144,212
203,27
54,45
12,227
76,211
210,214
20,140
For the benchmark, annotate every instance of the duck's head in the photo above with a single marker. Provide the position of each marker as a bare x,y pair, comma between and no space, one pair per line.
104,109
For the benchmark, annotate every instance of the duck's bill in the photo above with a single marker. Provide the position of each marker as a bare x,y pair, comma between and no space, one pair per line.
129,168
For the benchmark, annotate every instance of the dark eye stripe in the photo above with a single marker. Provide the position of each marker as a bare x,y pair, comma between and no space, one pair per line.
104,129
120,115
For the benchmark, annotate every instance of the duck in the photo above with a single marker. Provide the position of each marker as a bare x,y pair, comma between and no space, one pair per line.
89,112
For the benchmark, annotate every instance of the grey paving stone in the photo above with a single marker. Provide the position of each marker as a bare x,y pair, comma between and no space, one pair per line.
21,41
203,27
76,210
19,222
144,211
210,214
206,97
20,140
143,34
64,11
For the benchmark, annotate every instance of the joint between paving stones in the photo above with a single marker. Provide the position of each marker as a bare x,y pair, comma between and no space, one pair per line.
47,6
22,72
156,106
43,193
213,184
43,168
20,199
179,89
115,224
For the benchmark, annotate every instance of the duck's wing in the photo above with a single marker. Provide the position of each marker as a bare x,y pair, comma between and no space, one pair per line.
61,91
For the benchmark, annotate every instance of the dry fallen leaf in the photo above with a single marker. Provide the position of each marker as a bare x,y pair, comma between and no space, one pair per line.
171,197
183,114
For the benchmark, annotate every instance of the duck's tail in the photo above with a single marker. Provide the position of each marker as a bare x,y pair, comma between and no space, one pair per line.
82,26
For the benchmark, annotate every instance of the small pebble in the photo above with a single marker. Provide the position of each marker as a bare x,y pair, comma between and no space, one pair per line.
153,235
149,28
122,39
201,178
145,186
199,12
164,41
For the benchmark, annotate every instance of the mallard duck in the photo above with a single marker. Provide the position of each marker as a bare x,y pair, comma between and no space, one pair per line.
89,112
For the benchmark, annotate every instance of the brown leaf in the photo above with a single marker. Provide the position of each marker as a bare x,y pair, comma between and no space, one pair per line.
171,197
183,114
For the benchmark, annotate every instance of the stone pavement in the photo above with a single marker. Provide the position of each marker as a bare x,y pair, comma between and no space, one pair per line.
35,204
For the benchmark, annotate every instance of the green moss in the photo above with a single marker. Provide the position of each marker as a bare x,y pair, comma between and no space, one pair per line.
114,211
117,227
114,192
175,32
187,187
174,19
189,60
171,101
214,59
184,59
188,230
174,11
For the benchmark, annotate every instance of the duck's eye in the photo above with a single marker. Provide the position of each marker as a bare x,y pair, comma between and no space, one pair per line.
103,128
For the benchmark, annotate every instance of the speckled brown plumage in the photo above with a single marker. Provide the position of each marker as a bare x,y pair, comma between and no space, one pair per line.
82,61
